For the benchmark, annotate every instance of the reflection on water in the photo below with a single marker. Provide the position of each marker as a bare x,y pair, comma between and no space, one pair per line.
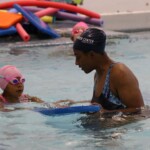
51,75
112,120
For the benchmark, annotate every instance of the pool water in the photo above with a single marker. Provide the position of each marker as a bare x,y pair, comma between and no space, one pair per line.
51,74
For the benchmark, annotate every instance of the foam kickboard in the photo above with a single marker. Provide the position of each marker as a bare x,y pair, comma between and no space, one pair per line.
8,19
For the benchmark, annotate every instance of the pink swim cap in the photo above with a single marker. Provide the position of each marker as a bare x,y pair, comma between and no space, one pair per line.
8,72
79,25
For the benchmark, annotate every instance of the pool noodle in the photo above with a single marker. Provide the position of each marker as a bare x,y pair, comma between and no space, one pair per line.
58,5
46,11
39,24
21,31
33,9
8,31
74,17
47,19
64,15
23,34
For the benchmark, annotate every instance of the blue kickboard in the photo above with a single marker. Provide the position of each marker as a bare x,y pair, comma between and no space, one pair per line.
68,110
39,24
8,31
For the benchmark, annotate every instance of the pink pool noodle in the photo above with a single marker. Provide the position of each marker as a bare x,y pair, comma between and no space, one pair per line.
46,11
24,35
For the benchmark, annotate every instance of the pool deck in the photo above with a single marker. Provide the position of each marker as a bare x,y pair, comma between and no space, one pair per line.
122,15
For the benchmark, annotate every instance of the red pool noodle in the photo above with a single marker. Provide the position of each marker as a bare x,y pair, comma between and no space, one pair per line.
58,5
24,35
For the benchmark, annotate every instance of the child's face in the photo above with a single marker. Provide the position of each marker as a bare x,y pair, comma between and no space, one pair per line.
15,88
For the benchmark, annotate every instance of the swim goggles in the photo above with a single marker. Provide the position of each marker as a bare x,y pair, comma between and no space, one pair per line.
14,81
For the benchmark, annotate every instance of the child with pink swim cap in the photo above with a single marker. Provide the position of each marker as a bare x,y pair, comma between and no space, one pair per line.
12,84
77,29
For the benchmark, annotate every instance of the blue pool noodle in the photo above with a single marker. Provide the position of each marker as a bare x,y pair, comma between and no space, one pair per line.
39,24
8,31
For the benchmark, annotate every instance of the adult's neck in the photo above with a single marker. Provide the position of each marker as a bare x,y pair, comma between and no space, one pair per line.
103,63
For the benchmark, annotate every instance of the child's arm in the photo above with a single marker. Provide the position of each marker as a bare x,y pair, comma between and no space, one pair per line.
34,99
69,102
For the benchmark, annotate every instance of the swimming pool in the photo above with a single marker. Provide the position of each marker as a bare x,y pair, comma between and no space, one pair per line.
51,75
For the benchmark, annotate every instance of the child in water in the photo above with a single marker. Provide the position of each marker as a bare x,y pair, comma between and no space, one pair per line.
12,84
77,29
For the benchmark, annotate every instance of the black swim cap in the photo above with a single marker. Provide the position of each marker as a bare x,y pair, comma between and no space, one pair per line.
92,39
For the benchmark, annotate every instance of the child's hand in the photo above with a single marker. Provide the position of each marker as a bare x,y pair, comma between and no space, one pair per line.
34,99
64,103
